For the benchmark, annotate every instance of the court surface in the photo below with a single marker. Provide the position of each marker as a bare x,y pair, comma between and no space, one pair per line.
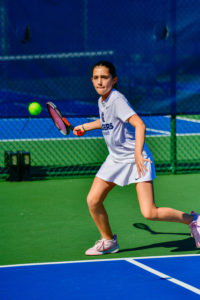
43,237
151,278
44,129
51,232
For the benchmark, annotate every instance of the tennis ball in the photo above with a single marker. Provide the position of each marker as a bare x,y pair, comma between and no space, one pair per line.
34,108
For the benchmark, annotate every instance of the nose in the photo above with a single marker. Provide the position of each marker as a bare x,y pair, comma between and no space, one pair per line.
99,81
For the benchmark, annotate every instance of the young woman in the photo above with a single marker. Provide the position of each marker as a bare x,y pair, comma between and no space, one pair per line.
129,161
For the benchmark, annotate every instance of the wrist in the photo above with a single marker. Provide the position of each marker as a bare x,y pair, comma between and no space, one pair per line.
138,153
83,128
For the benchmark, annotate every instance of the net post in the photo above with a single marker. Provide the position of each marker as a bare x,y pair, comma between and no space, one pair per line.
173,156
173,146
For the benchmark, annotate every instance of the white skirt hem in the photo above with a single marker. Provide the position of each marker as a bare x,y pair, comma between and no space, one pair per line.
125,173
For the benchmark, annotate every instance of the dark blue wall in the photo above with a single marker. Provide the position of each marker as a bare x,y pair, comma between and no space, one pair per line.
155,46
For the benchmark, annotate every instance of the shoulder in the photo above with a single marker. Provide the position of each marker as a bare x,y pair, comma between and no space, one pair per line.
119,99
123,109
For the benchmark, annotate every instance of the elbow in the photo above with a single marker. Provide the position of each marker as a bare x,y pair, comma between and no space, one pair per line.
142,125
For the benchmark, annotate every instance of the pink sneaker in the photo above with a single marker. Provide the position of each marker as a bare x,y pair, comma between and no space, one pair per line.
195,228
104,246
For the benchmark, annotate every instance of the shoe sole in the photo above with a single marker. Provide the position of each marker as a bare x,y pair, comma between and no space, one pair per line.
114,250
111,252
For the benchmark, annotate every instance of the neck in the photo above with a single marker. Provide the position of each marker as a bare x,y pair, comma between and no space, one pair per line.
104,97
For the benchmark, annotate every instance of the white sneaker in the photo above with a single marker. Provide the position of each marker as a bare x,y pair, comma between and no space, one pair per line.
104,246
195,228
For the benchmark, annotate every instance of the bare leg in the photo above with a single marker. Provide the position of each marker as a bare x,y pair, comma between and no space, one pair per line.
95,198
150,211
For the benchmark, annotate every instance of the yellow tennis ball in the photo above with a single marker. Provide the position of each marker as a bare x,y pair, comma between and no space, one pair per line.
34,108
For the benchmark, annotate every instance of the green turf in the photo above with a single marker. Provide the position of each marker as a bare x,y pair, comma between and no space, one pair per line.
59,152
87,152
43,221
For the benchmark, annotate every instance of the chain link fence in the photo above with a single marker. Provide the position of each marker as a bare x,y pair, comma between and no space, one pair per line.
155,48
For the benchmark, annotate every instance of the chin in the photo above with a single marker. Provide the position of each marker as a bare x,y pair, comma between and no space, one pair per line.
101,93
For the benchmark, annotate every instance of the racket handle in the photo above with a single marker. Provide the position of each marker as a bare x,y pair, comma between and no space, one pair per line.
79,132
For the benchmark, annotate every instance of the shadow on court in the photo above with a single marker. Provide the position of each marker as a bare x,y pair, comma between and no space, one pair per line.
145,227
183,245
187,244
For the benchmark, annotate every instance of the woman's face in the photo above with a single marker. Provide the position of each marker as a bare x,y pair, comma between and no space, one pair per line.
103,81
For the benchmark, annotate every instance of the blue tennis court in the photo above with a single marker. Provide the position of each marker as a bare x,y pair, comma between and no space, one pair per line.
42,128
152,278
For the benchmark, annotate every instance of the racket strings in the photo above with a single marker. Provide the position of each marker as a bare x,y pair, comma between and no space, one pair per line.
58,120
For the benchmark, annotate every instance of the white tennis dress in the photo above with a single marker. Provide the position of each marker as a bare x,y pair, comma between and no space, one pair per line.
119,166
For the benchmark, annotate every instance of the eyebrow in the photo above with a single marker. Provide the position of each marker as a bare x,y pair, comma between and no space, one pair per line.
96,76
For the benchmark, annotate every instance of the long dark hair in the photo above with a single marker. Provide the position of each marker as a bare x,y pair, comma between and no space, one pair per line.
109,65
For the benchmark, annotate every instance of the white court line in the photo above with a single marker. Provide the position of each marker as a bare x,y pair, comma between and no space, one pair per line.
67,139
188,119
184,119
159,131
49,139
163,133
91,138
187,134
164,276
98,260
166,133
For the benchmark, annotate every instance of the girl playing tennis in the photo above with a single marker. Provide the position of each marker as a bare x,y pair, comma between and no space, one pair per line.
129,161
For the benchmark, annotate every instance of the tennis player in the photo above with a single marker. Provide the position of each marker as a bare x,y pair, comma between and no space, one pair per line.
129,161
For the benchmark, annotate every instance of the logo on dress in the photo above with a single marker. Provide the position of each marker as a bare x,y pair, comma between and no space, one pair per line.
107,126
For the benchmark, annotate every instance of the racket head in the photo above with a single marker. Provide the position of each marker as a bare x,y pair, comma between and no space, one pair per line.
61,123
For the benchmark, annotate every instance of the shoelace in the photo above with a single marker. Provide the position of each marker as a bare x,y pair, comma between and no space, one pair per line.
99,244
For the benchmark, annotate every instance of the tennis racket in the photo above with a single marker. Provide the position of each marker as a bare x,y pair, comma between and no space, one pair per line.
61,122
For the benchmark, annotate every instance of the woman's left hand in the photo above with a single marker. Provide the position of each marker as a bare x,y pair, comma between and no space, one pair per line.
140,160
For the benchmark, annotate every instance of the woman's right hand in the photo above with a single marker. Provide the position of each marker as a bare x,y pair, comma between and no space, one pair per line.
78,128
140,163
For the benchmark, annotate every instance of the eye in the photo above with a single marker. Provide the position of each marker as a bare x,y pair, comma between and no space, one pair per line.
106,77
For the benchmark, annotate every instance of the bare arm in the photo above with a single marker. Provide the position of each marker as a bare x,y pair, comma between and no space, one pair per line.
140,128
88,126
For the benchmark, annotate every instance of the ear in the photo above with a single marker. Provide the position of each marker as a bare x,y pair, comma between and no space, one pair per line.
115,80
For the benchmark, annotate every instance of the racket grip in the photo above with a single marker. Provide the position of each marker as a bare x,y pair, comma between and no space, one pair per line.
80,132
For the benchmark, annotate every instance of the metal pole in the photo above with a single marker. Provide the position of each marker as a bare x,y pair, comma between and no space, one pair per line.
173,142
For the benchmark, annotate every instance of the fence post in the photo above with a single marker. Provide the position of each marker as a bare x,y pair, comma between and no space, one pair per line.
173,148
173,158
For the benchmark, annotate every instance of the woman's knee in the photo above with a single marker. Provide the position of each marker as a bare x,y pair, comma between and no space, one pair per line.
98,192
93,201
150,214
